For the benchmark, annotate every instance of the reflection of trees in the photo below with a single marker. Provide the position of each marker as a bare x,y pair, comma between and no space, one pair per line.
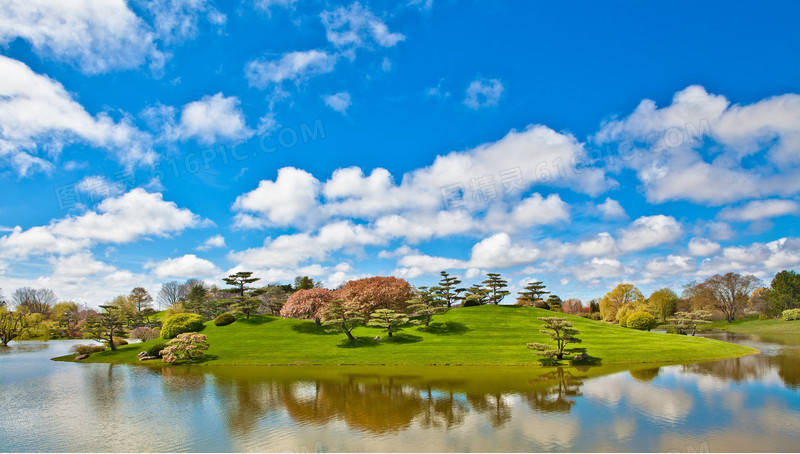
444,412
244,401
556,397
493,405
645,374
374,407
736,369
788,366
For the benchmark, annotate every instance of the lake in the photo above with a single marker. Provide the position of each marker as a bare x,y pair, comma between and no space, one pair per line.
744,404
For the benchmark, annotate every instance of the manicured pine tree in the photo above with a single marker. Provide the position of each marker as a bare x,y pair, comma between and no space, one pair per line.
531,294
496,287
448,290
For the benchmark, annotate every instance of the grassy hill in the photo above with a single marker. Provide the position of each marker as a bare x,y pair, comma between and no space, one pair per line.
485,335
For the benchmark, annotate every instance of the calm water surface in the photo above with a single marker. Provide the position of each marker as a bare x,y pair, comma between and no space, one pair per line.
744,404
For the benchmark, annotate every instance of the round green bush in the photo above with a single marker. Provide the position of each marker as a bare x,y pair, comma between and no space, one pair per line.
623,321
225,318
471,301
155,350
181,323
641,320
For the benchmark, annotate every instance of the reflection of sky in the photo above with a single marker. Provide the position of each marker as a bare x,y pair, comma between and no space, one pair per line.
49,406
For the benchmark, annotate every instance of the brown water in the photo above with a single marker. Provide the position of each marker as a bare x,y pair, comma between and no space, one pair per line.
744,404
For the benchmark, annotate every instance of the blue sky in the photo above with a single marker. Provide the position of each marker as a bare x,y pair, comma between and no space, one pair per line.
579,143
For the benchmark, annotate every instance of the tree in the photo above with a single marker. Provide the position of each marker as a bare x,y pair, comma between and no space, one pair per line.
561,331
184,346
303,283
728,293
391,321
308,303
67,317
784,291
337,314
141,299
448,289
244,297
572,306
12,325
273,297
531,294
476,291
107,324
35,301
594,306
663,302
372,293
425,305
622,295
197,301
554,303
170,294
683,321
145,334
496,287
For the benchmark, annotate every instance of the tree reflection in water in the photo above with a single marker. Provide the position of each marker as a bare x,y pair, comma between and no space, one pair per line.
555,398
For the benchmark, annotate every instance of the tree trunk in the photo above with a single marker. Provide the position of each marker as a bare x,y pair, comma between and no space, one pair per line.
390,333
559,356
349,336
317,321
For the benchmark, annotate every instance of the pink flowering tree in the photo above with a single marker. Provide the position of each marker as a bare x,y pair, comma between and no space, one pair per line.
184,346
308,303
370,294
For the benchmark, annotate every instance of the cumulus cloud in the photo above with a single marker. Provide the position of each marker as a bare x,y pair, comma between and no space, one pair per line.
600,268
483,93
757,210
648,231
339,102
185,267
673,165
216,241
122,219
702,247
38,117
212,118
669,266
287,200
96,36
611,209
602,245
499,252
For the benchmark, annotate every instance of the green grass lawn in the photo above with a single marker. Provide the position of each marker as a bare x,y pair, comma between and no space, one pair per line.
485,335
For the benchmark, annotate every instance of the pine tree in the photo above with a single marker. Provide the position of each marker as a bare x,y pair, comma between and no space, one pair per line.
561,331
244,297
448,290
531,294
425,304
496,286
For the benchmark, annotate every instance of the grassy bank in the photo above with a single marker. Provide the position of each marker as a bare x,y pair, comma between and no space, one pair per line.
756,326
486,335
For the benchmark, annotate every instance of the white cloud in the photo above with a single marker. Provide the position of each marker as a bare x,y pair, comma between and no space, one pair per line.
37,115
78,265
268,5
674,166
99,187
37,240
215,241
356,26
499,252
649,231
702,247
600,268
127,218
176,21
213,118
297,66
760,209
339,102
483,93
611,210
289,251
536,210
670,265
185,267
602,245
290,198
96,36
